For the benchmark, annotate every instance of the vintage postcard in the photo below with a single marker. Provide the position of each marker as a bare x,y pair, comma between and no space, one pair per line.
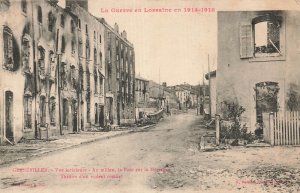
138,96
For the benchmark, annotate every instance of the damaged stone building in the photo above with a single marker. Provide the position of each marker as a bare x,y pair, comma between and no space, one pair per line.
54,70
258,63
141,96
120,76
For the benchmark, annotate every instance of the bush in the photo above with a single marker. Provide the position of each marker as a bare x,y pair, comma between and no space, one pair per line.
235,130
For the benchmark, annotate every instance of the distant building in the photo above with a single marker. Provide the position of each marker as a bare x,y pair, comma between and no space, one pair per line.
187,94
141,96
162,97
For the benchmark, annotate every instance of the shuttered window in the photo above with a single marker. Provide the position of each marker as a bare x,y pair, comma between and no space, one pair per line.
8,47
246,43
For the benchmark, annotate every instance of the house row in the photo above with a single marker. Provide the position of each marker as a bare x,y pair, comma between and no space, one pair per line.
152,97
188,95
258,64
63,70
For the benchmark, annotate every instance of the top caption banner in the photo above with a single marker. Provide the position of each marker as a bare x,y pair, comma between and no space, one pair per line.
159,10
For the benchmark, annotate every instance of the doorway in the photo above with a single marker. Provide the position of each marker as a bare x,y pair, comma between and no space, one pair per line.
74,115
101,116
266,99
9,134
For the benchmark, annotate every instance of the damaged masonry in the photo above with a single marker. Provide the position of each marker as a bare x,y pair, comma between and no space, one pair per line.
64,63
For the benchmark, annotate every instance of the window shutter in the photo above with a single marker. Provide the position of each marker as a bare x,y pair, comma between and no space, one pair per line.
246,43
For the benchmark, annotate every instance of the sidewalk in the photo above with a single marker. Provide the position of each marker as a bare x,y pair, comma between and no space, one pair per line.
35,148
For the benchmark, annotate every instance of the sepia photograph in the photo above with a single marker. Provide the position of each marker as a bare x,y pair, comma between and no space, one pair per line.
149,96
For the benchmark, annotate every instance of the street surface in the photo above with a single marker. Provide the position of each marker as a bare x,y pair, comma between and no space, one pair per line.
165,158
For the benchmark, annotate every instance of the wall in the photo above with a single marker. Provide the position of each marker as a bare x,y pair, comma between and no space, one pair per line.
92,65
237,77
120,73
9,15
213,96
63,66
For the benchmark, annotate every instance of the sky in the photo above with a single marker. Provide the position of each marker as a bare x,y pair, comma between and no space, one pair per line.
173,47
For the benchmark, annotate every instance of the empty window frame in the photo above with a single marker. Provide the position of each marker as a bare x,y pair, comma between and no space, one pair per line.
40,14
8,49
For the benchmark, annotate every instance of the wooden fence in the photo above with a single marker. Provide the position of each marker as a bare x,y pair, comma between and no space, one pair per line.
282,128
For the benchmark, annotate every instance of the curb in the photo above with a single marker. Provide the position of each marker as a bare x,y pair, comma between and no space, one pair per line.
64,148
123,133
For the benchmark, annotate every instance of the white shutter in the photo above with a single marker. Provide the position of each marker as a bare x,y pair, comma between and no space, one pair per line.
246,43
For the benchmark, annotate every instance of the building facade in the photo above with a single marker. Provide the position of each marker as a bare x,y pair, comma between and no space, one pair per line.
91,66
258,62
141,96
54,70
211,77
162,97
120,73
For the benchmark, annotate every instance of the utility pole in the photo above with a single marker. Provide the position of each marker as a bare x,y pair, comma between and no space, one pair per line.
203,93
209,88
198,99
58,82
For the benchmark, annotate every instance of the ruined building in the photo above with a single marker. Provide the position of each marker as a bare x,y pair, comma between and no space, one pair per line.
120,76
258,68
53,71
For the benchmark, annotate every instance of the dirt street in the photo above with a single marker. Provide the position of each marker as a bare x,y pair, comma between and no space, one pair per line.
165,158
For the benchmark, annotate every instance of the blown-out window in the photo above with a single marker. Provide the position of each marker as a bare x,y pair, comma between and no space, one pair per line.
73,77
51,21
24,6
80,49
63,44
43,111
62,20
88,109
73,47
8,48
95,82
72,26
101,85
100,58
41,59
79,23
95,56
263,38
267,37
40,14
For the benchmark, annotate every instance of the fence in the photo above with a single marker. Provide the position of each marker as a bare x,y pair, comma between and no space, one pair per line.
282,128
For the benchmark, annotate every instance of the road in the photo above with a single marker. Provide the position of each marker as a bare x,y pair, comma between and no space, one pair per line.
140,162
165,158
